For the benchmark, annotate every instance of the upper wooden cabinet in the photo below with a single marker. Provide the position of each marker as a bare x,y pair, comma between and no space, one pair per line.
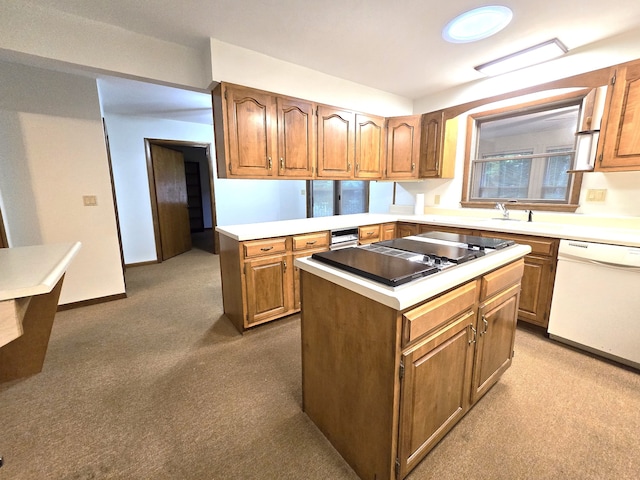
296,137
336,142
403,147
370,151
619,146
438,146
259,134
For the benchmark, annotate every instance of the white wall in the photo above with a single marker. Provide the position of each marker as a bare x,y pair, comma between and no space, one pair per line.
52,152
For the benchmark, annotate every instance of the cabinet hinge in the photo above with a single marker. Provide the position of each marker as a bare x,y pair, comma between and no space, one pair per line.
397,467
401,370
225,94
613,79
229,167
600,159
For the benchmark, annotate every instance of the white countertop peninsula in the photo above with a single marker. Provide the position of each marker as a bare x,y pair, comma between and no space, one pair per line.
570,227
30,283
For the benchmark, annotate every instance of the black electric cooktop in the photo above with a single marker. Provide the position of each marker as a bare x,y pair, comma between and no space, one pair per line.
389,270
471,241
435,250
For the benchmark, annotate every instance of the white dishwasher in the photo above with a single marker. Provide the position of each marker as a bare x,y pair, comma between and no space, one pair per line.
596,300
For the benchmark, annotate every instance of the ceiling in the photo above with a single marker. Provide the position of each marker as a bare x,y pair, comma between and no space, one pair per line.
396,47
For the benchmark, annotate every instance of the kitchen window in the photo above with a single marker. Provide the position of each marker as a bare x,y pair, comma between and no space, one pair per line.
523,153
337,197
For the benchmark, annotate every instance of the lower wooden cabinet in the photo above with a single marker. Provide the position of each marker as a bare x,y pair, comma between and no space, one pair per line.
416,372
369,234
407,229
388,231
259,280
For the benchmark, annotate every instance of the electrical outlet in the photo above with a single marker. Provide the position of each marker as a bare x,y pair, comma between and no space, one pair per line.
302,192
596,194
90,200
436,200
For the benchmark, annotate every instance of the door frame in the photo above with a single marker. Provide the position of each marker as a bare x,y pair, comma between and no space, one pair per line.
4,242
176,144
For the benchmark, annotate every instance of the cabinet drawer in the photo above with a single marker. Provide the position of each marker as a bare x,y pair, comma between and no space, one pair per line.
539,245
369,232
310,240
258,248
500,279
431,315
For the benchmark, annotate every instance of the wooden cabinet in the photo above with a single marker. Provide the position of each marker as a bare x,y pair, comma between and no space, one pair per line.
416,372
619,145
438,146
369,234
407,229
388,231
403,147
370,151
538,277
296,138
336,142
259,134
438,228
259,280
245,131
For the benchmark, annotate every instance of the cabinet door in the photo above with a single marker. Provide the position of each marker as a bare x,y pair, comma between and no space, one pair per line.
407,229
251,130
403,147
370,137
495,338
296,138
388,231
336,142
368,234
537,288
435,389
432,125
619,147
269,285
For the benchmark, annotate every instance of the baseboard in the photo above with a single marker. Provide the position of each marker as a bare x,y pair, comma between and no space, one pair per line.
141,264
91,301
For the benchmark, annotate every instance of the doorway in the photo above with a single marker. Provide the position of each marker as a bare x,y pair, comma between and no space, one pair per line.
182,196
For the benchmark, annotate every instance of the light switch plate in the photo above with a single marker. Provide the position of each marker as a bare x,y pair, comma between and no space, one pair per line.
90,200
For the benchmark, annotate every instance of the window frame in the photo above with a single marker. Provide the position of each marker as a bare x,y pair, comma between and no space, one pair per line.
337,195
574,185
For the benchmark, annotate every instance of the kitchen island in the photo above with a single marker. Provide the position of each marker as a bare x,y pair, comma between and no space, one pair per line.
388,371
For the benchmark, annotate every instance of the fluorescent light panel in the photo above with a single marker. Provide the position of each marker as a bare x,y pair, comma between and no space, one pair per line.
525,58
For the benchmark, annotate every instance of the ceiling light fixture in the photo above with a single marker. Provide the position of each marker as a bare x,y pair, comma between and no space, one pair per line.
477,24
540,53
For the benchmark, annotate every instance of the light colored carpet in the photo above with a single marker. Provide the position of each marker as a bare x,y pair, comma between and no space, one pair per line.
161,386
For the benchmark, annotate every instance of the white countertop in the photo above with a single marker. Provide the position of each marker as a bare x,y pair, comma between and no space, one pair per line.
34,270
562,230
407,295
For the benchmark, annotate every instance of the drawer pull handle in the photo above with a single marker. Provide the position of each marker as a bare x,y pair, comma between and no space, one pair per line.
312,242
473,335
486,325
266,249
369,234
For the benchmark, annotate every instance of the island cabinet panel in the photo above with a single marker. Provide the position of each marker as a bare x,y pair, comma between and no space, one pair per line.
619,146
383,385
370,150
336,142
296,138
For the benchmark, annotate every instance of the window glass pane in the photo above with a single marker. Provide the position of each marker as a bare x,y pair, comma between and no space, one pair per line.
353,197
322,197
518,155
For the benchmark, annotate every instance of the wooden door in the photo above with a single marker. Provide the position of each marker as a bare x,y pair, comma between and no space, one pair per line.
251,132
496,337
403,147
171,198
620,130
336,142
435,389
296,138
370,137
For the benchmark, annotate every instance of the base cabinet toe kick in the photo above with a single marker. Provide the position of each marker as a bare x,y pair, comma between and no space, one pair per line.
386,385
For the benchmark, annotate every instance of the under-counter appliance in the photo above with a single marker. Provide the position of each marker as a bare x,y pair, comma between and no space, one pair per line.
596,300
344,238
399,261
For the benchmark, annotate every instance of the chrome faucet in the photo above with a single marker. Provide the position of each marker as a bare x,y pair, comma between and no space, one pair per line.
503,210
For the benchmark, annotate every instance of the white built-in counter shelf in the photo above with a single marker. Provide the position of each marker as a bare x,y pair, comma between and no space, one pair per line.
30,283
570,227
416,291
